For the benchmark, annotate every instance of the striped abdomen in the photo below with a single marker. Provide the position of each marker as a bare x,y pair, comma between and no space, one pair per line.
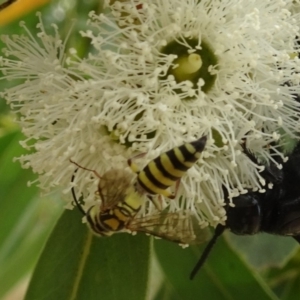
115,219
166,169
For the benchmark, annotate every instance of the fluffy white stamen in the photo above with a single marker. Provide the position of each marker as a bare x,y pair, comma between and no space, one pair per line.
124,98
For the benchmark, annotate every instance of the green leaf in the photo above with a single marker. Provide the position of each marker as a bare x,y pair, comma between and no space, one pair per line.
25,219
224,275
286,281
283,248
78,265
292,289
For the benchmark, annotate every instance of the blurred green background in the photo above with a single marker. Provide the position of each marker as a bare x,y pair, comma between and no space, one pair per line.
52,249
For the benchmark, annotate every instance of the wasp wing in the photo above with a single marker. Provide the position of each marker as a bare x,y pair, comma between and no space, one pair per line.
178,227
113,187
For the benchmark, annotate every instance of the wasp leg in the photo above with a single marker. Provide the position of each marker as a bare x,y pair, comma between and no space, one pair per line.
157,201
134,167
173,195
76,201
218,232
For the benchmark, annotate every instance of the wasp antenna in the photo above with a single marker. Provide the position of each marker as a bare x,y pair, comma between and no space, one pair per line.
219,230
74,195
81,167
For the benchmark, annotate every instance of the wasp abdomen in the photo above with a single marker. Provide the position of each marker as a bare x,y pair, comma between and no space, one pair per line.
169,167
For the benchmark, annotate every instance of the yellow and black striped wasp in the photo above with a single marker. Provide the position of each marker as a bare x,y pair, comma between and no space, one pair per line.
166,169
122,198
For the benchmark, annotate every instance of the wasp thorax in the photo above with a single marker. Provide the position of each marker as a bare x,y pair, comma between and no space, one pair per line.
194,62
114,183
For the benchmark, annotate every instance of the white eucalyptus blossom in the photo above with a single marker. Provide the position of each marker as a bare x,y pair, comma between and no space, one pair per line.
161,73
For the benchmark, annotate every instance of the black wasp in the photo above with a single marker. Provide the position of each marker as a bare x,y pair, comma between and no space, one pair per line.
277,211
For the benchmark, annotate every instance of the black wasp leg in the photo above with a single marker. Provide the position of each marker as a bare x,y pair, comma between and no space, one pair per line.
74,194
219,230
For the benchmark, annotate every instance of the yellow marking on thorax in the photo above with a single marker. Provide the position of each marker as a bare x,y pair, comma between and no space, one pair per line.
112,223
117,212
127,209
133,200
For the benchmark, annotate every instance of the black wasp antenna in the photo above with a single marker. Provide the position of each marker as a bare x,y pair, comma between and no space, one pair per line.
74,195
219,230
